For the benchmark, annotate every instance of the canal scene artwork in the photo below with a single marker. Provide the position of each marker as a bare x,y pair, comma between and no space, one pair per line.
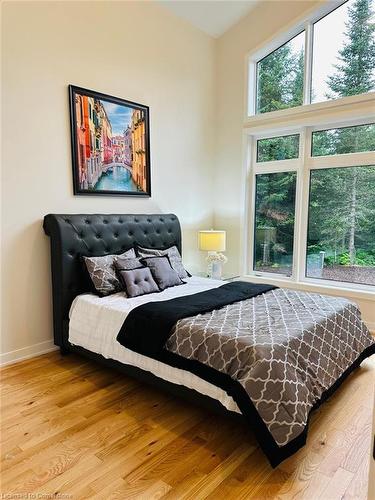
110,144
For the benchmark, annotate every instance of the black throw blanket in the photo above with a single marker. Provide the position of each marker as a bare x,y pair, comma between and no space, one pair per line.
147,327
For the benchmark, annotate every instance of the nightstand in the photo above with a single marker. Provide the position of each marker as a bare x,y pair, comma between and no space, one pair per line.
225,276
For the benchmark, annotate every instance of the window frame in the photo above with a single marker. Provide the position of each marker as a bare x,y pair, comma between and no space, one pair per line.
303,165
253,230
306,24
270,167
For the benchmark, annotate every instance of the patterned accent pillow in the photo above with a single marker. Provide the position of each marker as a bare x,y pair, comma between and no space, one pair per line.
103,273
138,281
171,252
162,271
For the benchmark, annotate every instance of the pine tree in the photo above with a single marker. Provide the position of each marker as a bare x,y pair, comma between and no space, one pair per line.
355,72
332,193
275,206
296,98
354,75
280,80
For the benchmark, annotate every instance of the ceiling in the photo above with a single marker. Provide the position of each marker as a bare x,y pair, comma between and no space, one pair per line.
211,16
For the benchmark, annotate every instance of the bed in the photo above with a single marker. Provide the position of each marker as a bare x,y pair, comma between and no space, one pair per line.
113,329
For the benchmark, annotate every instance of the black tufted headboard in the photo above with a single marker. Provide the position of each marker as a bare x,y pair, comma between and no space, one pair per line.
73,236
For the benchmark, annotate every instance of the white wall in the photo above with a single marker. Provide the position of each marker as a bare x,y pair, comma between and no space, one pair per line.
253,31
134,50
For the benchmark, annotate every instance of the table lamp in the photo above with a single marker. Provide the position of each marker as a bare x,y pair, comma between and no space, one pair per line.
213,242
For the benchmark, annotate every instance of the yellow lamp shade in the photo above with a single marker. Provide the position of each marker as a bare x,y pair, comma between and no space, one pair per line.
212,241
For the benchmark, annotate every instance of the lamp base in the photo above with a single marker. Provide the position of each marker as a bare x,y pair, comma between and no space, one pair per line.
216,270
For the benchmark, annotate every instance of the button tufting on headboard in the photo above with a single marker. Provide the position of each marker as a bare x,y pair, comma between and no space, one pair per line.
71,238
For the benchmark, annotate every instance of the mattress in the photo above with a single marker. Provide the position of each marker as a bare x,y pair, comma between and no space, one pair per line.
96,321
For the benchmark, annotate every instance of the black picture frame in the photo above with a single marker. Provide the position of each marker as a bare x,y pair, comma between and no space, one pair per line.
103,163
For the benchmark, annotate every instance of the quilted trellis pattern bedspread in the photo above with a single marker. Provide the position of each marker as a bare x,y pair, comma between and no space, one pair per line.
284,347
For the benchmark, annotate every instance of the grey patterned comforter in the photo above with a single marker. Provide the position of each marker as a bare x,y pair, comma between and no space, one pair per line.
284,347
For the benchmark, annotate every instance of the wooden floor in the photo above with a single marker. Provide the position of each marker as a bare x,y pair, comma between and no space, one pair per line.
71,429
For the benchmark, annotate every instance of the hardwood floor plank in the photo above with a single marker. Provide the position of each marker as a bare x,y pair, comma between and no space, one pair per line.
302,482
357,489
162,464
139,451
241,484
347,438
62,481
360,438
157,490
214,478
338,485
112,491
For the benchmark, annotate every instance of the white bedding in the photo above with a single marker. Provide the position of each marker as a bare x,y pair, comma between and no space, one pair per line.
95,322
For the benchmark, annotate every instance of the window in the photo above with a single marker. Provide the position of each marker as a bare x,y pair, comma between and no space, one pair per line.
274,226
280,77
311,179
341,235
343,140
278,148
330,58
313,214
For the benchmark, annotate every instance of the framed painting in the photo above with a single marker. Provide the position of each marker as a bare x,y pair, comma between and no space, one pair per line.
110,145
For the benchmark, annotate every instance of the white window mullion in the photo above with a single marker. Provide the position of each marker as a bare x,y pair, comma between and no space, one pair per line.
273,167
247,247
304,207
251,211
252,88
344,160
297,227
298,209
251,198
309,40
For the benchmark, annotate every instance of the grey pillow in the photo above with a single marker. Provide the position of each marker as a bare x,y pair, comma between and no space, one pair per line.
171,252
127,264
103,274
138,281
162,272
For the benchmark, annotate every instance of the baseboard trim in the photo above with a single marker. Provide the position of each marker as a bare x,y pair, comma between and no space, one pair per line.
8,358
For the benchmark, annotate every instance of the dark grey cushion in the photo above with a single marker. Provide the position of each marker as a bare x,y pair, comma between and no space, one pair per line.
162,271
138,281
173,254
127,264
103,274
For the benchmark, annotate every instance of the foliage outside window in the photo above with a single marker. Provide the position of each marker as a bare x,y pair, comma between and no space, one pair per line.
274,222
280,77
343,61
344,51
343,140
278,148
341,235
